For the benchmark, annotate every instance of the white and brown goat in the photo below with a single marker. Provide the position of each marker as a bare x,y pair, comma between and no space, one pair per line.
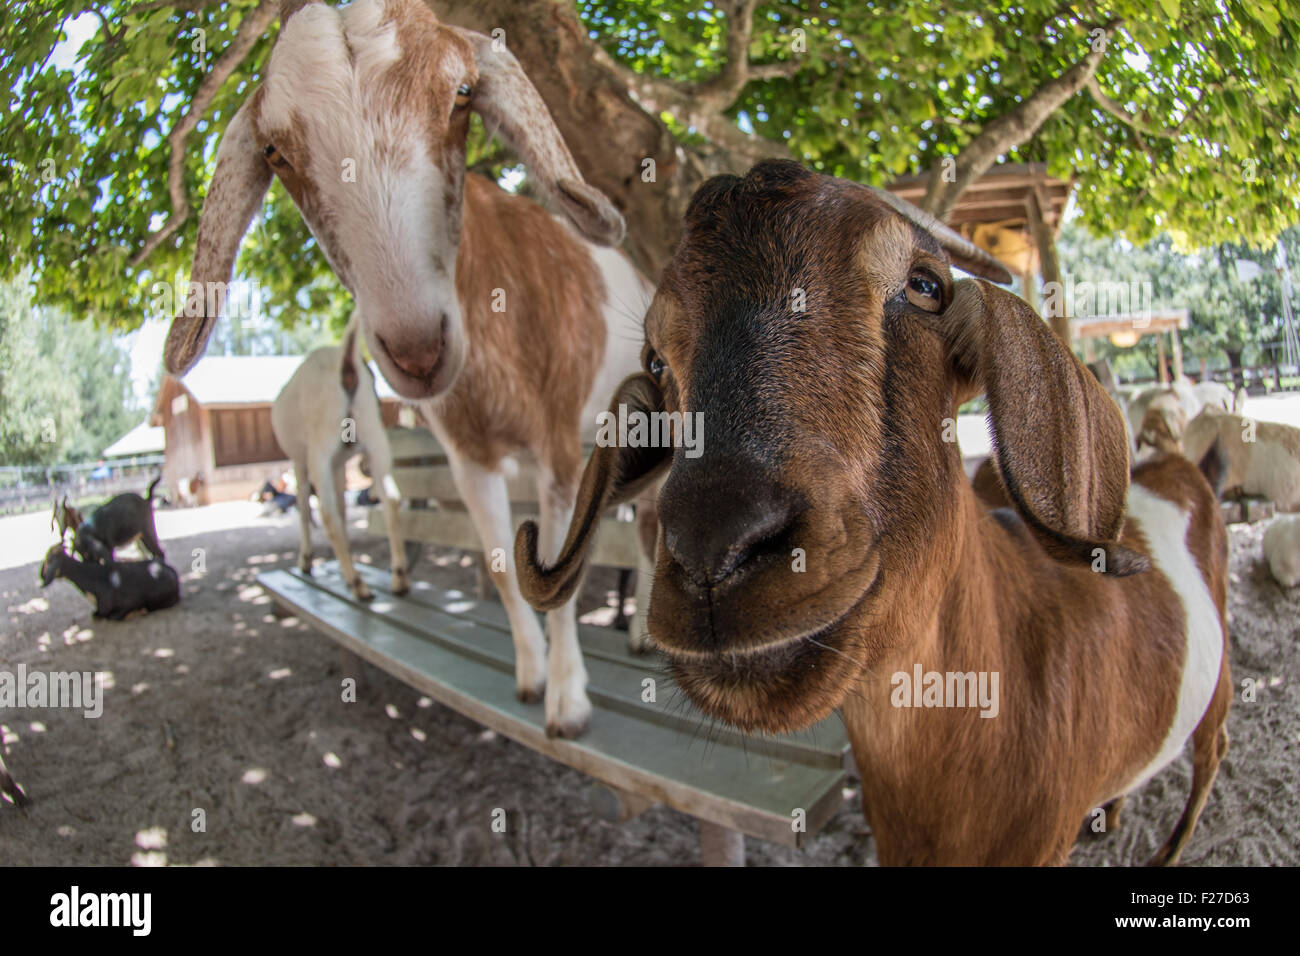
827,540
325,414
500,317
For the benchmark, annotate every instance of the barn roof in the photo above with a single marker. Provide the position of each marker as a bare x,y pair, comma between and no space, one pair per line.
249,379
240,379
144,439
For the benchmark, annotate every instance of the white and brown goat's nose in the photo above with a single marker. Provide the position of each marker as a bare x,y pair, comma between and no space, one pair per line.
417,355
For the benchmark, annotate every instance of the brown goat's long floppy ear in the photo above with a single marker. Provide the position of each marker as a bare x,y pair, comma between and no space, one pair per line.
511,106
238,187
612,475
1060,441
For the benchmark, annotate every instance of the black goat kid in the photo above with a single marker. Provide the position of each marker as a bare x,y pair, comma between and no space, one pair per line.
117,588
118,523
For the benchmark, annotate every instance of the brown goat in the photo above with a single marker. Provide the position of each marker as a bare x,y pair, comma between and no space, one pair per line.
826,545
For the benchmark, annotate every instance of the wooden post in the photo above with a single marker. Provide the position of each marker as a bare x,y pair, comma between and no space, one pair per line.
615,805
1050,266
1161,374
1178,353
720,846
1029,289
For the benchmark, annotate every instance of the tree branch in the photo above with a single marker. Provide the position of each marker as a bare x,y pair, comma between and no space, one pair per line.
1140,125
1010,130
254,25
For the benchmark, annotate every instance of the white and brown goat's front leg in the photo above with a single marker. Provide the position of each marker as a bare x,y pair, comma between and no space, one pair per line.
568,709
487,499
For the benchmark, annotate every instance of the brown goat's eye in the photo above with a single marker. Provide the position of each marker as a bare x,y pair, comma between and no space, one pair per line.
924,291
654,364
463,93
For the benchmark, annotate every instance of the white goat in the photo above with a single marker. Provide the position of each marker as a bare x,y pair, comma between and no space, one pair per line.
327,413
1263,457
500,316
1190,397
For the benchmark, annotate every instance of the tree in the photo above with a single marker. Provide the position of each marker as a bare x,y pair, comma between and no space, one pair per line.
1176,117
1228,318
65,386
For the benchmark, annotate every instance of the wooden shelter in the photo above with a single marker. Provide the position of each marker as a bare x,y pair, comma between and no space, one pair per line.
217,423
1125,330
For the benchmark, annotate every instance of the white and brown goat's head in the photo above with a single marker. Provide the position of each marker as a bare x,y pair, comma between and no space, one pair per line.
816,326
363,115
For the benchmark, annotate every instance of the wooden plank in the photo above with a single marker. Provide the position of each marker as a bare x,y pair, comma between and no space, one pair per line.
615,676
721,784
435,483
616,545
406,443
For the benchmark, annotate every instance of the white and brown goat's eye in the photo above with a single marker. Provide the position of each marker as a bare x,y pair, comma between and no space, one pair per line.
274,156
654,364
462,95
924,291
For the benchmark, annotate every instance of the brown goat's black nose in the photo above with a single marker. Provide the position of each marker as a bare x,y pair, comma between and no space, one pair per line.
714,524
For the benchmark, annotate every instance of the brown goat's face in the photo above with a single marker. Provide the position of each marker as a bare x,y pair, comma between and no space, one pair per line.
814,332
775,537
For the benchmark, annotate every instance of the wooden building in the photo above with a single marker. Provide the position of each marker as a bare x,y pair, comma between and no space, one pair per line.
217,423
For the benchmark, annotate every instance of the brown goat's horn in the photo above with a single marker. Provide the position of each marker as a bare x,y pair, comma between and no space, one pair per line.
964,253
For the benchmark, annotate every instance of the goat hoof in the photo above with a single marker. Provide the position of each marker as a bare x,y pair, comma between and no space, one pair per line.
531,695
401,583
361,590
568,717
567,729
305,567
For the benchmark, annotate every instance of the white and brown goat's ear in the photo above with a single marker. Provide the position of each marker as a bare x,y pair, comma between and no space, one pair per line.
613,475
238,187
1060,440
510,105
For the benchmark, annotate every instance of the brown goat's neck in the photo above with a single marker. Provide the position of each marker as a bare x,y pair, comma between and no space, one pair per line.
945,784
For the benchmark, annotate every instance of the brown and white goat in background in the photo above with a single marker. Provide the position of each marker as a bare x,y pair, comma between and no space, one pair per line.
381,89
325,414
827,540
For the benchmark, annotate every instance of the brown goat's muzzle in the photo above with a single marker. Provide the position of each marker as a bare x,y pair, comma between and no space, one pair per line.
773,646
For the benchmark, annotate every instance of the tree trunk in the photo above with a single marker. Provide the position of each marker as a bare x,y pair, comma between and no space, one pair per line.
608,132
1234,363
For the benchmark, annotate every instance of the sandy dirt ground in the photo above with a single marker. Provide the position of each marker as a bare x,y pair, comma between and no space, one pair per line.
222,707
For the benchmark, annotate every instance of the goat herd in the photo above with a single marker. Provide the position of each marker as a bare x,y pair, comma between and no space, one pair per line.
828,537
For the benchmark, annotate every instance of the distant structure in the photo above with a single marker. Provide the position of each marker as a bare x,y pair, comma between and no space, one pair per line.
217,424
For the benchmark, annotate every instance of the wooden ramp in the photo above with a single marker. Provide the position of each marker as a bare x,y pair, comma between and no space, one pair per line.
458,650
